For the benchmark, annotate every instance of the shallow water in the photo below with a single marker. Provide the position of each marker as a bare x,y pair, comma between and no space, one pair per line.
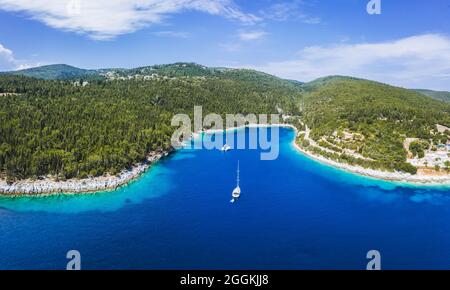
294,213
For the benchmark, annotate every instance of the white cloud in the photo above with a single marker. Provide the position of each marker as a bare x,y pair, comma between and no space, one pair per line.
9,62
289,11
231,47
172,34
242,39
106,19
6,58
417,61
27,66
252,35
311,20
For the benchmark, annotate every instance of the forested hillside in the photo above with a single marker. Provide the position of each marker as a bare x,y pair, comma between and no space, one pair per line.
57,72
375,117
438,95
59,124
54,127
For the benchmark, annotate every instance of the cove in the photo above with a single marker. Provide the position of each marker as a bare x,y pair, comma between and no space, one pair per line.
294,213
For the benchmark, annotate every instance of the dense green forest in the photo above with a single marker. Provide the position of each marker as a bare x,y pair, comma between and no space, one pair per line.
56,71
382,114
50,124
54,127
438,95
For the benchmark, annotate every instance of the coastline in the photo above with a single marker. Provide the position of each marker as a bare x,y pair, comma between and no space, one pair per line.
48,186
400,177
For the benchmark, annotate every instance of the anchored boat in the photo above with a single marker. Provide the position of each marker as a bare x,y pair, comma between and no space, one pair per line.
226,148
237,191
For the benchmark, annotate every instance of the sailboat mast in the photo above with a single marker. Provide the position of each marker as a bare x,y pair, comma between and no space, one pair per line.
238,175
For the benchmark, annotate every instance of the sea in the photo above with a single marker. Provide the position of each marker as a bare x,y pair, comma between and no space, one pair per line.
293,213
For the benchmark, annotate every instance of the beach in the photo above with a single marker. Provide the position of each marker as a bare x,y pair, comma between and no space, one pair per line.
419,179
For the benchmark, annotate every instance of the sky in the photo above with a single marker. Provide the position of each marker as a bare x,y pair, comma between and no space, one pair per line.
408,44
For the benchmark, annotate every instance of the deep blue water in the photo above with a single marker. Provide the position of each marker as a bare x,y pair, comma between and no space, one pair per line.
294,213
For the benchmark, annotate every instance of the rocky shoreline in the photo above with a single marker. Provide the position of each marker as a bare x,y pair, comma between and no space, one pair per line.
75,186
49,186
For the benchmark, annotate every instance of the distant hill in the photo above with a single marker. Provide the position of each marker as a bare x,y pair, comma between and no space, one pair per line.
320,82
295,82
176,70
438,95
315,84
55,72
182,69
185,69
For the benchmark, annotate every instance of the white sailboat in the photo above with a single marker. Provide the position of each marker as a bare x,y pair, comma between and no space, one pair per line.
237,191
226,148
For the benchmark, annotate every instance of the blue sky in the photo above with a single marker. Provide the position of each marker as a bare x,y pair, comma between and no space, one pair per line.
407,45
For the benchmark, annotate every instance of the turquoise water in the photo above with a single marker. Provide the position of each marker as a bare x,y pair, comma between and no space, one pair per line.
294,213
